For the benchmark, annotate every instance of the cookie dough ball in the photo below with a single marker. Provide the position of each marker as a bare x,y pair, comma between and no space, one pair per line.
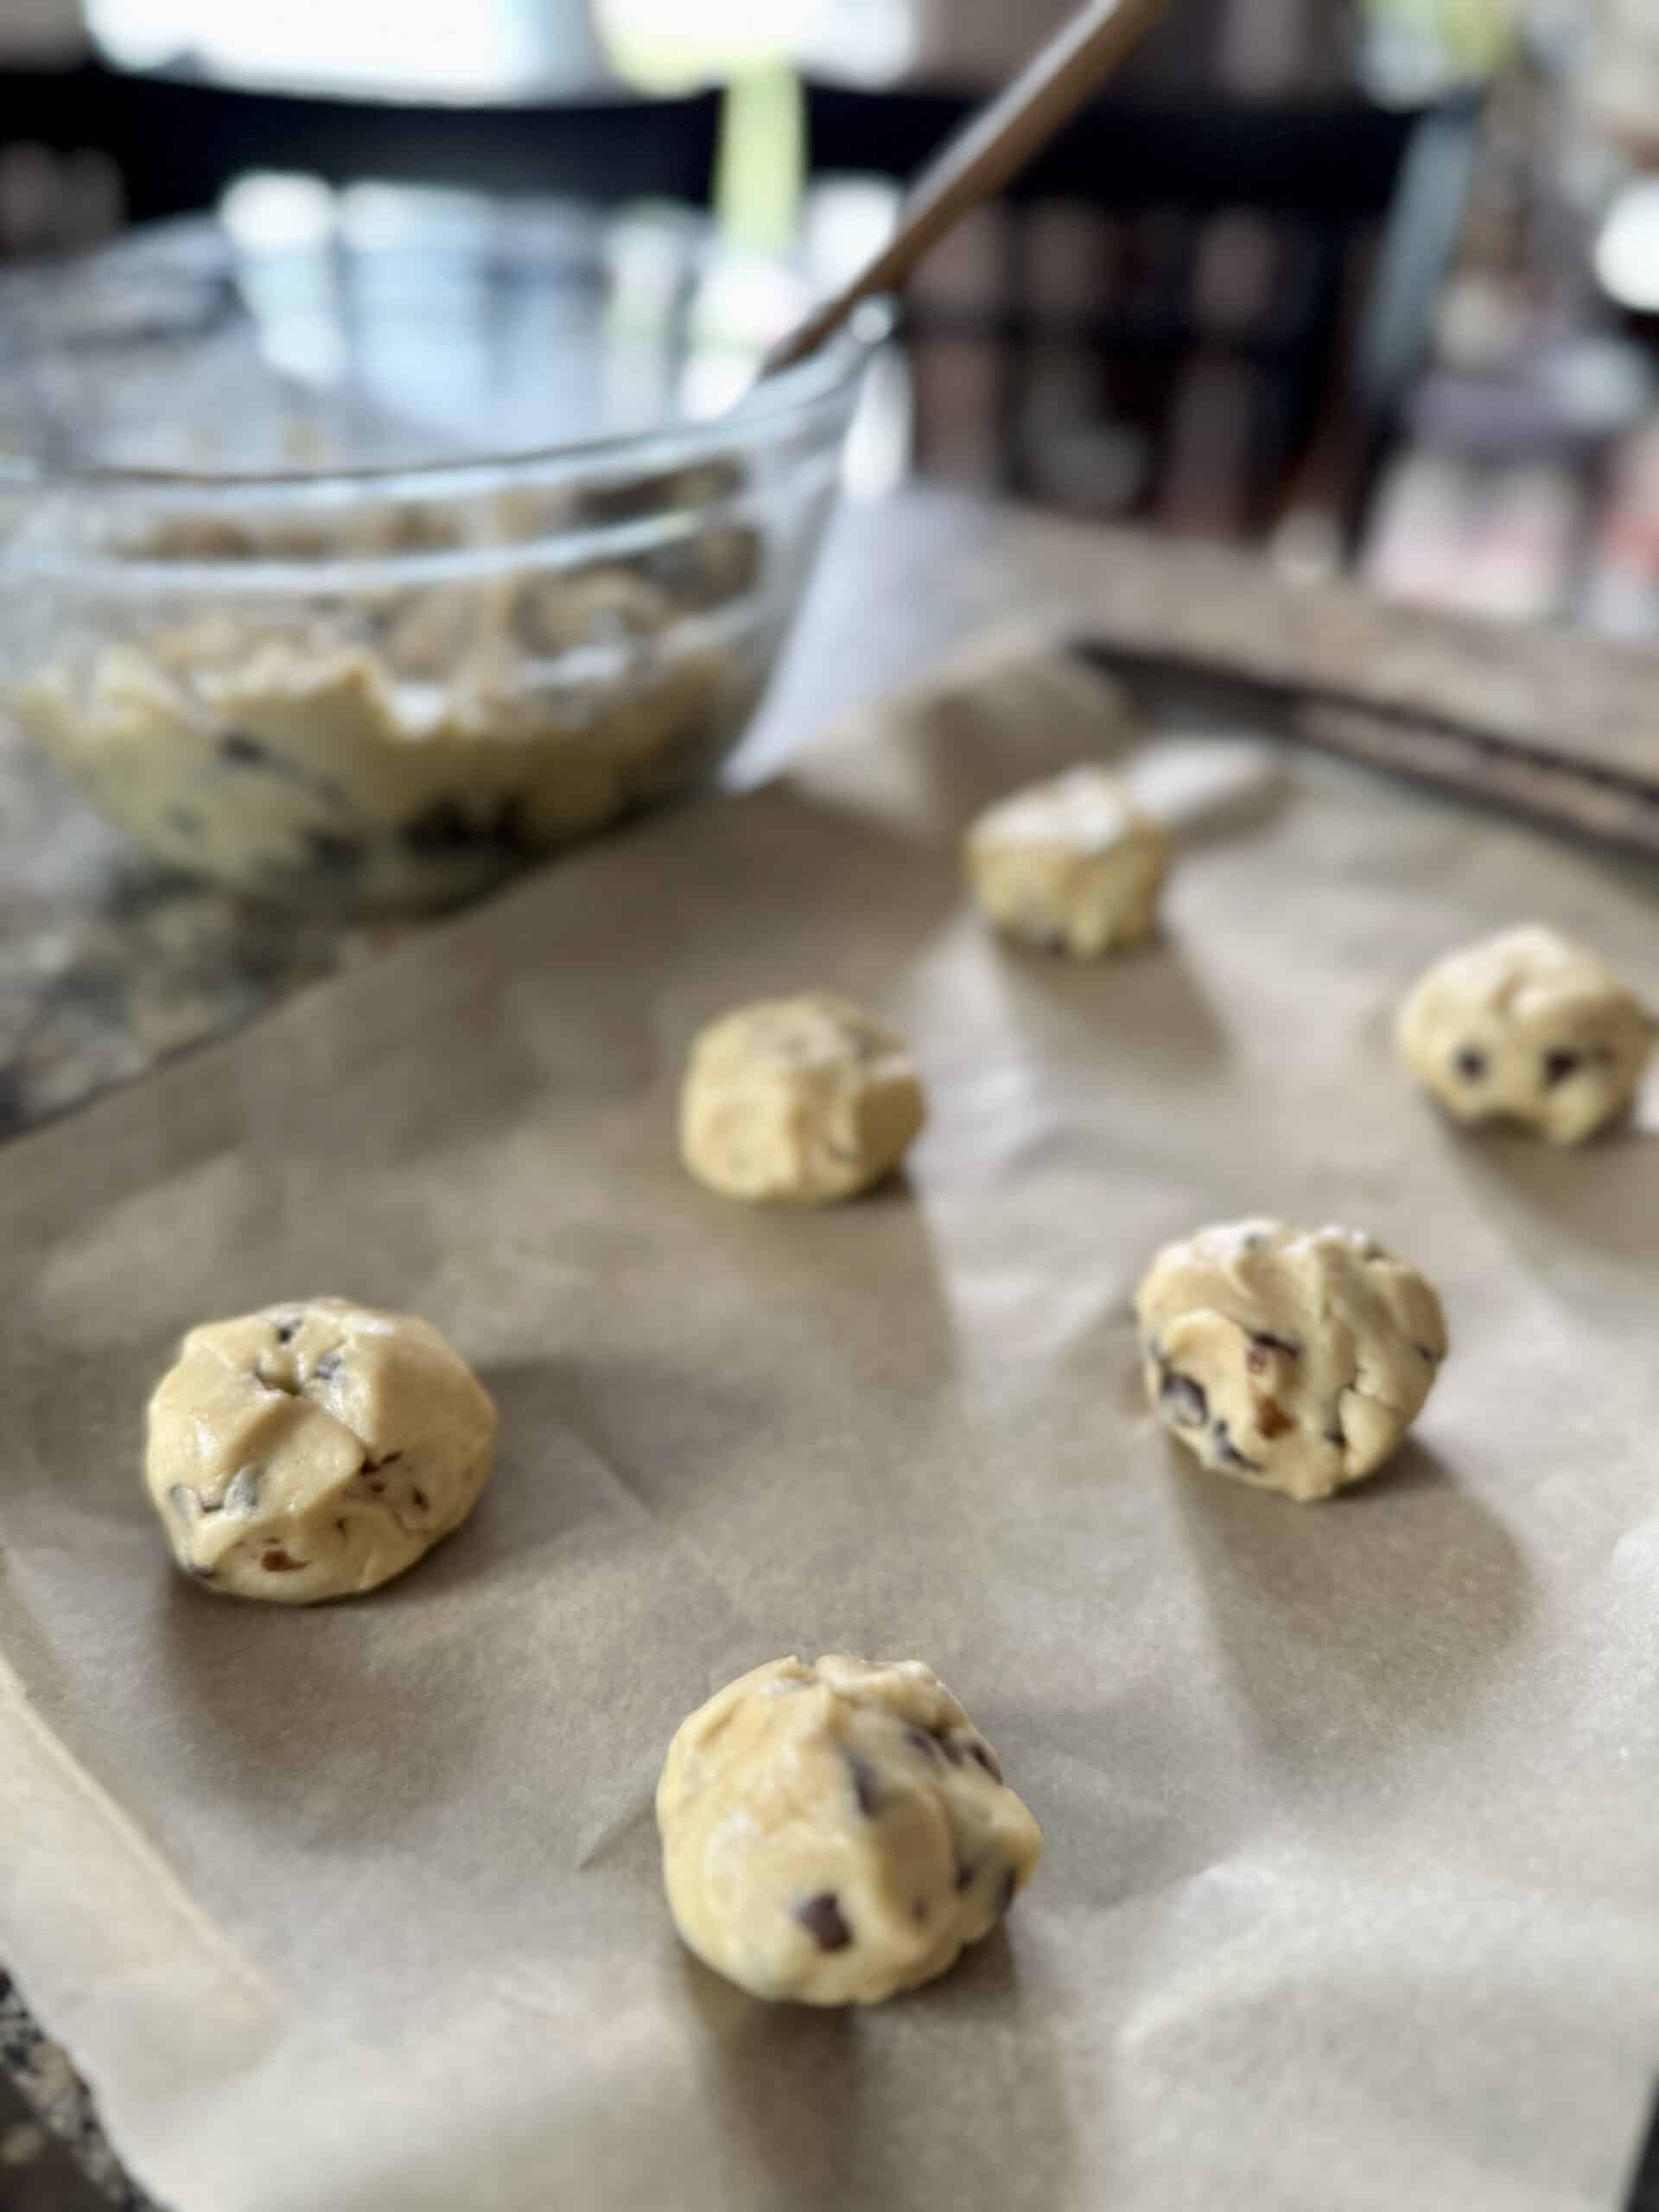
1295,1359
807,1099
1072,865
1527,1027
314,1450
839,1832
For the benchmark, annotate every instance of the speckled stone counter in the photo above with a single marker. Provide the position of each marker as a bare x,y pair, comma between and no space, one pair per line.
110,963
53,2156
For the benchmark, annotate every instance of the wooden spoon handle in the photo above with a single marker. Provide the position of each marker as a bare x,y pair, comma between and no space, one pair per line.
979,160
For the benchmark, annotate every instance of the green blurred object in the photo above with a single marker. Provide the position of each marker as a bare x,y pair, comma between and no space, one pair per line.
662,46
761,172
1454,42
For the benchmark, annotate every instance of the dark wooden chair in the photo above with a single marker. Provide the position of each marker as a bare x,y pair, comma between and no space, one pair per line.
177,140
1335,188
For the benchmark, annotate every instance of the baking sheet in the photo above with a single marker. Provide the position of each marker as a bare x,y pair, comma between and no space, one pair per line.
1349,1889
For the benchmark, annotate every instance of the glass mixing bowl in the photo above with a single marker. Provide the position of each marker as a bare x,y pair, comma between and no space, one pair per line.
360,546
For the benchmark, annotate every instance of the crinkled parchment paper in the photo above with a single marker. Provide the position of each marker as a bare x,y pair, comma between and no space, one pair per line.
1351,1890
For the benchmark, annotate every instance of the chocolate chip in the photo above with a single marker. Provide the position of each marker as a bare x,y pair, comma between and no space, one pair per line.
986,1758
1185,1400
1005,1895
965,1873
823,1920
278,1563
1336,1434
1470,1064
1558,1066
334,855
247,752
420,1498
447,826
239,750
288,1329
866,1788
1227,1452
444,826
1271,1418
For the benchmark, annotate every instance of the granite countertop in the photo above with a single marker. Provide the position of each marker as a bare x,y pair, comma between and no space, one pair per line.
53,2156
108,963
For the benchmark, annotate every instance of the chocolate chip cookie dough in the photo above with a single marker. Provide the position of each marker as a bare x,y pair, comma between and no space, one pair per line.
1527,1027
416,698
310,768
839,1832
314,1450
1295,1359
804,1100
1072,865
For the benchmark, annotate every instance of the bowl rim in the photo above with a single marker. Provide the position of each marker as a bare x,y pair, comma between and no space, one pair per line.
826,380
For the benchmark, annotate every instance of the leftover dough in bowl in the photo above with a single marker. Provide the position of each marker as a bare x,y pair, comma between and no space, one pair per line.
402,755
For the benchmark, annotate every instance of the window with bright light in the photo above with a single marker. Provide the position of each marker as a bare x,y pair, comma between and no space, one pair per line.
487,48
430,47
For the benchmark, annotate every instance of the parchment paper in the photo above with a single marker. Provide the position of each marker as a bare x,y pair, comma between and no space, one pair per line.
1349,1896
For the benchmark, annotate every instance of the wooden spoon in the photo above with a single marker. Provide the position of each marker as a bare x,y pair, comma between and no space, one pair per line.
979,160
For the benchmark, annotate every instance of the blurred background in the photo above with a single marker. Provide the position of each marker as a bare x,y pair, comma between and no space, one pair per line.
1371,284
